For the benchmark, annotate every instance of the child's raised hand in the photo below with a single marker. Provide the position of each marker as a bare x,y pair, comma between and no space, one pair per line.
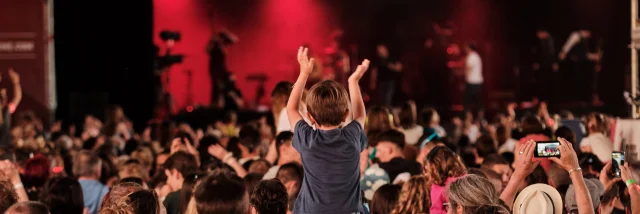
360,70
306,64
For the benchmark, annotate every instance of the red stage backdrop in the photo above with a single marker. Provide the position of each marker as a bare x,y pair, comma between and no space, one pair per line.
270,32
22,47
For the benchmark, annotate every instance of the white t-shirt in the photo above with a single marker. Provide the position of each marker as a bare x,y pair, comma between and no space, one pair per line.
601,146
473,68
271,173
412,135
283,122
508,146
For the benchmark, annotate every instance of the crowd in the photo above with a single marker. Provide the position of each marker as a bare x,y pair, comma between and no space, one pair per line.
323,154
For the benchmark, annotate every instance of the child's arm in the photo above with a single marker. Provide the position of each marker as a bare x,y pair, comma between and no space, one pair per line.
306,66
357,105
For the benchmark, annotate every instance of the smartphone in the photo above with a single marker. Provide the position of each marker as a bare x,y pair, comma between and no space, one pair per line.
617,160
545,149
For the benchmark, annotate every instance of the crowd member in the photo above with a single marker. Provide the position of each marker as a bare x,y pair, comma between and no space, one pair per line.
330,176
270,197
9,196
379,119
8,107
596,142
430,119
279,97
389,151
118,192
485,146
36,173
9,172
385,199
176,168
28,207
230,195
63,195
442,166
566,133
87,167
408,117
533,129
474,194
186,193
505,142
144,202
286,154
291,175
414,197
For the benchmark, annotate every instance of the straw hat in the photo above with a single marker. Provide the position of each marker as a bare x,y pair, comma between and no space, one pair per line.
537,199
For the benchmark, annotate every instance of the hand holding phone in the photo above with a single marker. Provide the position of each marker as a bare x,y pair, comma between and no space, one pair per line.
617,160
546,149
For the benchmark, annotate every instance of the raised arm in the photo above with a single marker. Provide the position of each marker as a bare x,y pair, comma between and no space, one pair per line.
306,67
524,167
17,90
357,105
569,161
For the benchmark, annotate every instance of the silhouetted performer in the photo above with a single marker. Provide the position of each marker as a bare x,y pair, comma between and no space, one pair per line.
217,49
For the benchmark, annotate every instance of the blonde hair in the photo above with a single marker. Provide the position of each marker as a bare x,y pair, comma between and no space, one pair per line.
443,164
133,170
415,197
475,194
327,102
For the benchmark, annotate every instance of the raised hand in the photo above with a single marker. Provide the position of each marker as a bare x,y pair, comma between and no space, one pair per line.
217,151
306,64
523,156
568,158
360,70
604,177
14,76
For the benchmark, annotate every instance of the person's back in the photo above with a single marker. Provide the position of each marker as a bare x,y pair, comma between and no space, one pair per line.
87,169
331,153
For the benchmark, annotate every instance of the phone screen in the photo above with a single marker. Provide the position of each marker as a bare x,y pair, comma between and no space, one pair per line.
618,160
547,149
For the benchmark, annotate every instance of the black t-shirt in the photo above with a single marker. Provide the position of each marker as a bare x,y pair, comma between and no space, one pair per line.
399,165
5,128
384,73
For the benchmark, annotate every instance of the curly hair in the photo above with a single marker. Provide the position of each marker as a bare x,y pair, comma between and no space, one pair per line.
475,194
442,163
270,196
415,197
8,196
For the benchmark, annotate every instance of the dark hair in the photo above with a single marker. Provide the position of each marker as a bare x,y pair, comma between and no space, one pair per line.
62,195
385,199
144,202
207,159
589,160
188,187
486,146
327,102
260,166
282,138
501,134
249,138
251,180
407,115
9,196
291,172
472,46
184,162
531,124
227,117
478,172
36,171
270,197
566,133
229,196
426,116
538,176
493,160
392,136
28,207
282,88
232,146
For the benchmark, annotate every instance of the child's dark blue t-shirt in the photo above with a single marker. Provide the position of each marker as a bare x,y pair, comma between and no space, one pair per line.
331,161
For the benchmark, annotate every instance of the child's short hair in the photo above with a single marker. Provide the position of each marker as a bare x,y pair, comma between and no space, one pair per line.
327,103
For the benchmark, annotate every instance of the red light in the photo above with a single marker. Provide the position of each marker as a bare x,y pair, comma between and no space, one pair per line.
57,169
189,108
450,50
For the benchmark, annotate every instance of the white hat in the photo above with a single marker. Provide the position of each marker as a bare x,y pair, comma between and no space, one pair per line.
538,199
